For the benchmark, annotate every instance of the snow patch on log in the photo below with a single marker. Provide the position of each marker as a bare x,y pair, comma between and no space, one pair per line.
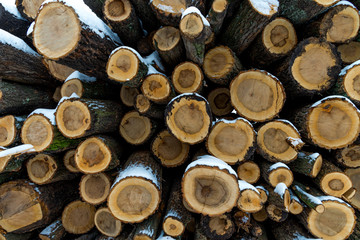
24,148
208,160
278,165
147,231
312,157
280,189
264,189
243,185
348,67
12,40
333,199
298,236
73,95
10,6
346,3
30,29
48,113
266,7
163,237
234,120
313,199
81,77
138,170
154,58
335,97
191,10
287,122
187,94
172,213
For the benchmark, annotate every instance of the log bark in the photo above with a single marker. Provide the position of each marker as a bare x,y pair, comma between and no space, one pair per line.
98,153
353,175
148,228
247,91
26,206
296,206
280,197
128,94
248,22
188,118
301,75
232,141
95,188
221,227
187,77
13,163
308,199
10,127
14,236
77,118
289,230
78,217
58,71
216,14
12,21
276,173
168,13
138,186
220,102
146,15
106,223
69,161
307,163
80,40
55,231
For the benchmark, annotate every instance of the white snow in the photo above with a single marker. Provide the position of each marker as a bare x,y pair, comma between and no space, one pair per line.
264,189
287,122
195,10
152,70
48,113
331,198
10,6
280,189
234,121
89,19
295,142
312,157
332,97
147,231
9,39
49,229
81,77
154,58
138,170
187,94
315,200
172,213
208,160
130,49
163,237
344,3
167,8
73,95
24,148
348,67
293,196
266,7
299,236
30,29
278,165
243,185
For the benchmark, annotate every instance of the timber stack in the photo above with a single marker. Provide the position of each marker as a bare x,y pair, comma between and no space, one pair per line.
179,119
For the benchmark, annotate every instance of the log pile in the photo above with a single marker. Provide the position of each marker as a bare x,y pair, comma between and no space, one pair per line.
179,119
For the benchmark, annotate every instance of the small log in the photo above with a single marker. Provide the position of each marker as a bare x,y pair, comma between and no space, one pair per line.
40,130
232,141
12,21
147,229
176,217
307,163
86,87
320,127
78,217
167,41
147,108
296,206
257,95
276,214
136,192
332,180
264,193
168,12
59,71
26,206
276,41
349,52
249,171
250,199
57,95
349,156
276,173
188,118
97,154
339,24
28,8
261,215
194,38
45,168
156,87
221,65
10,127
127,95
353,174
336,222
136,129
106,223
220,102
221,227
169,150
95,188
301,72
84,35
249,21
290,230
217,14
126,66
187,77
280,197
208,195
279,141
308,199
55,231
242,221
121,16
84,117
69,161
302,11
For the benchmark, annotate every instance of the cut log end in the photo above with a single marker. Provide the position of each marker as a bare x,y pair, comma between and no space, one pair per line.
279,36
334,123
232,141
187,77
117,10
7,130
41,168
317,166
169,150
135,129
276,214
351,83
326,3
133,199
173,227
256,95
69,161
260,216
249,171
106,223
95,188
265,8
295,207
123,65
72,86
349,52
73,118
335,184
166,38
219,6
220,102
58,71
31,7
37,130
78,217
142,103
350,156
250,201
279,175
191,25
209,191
56,31
127,95
219,227
156,87
354,175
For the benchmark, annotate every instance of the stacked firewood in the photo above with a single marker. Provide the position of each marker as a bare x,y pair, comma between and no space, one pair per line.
201,119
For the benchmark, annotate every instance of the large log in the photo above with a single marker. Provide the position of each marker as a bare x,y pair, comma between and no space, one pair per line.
70,32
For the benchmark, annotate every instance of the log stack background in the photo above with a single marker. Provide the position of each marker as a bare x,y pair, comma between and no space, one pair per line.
203,119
